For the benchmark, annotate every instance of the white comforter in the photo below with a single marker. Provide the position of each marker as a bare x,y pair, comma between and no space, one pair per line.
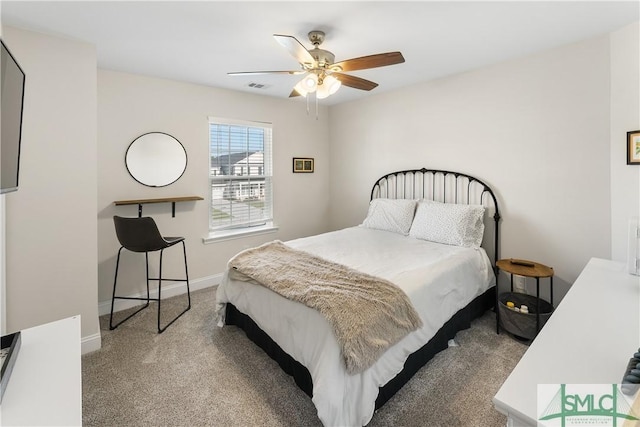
439,280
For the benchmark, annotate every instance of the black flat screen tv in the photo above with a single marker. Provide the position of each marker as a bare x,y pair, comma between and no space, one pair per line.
12,80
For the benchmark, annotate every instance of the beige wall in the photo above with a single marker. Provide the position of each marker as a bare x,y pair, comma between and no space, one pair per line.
51,240
625,117
130,105
536,129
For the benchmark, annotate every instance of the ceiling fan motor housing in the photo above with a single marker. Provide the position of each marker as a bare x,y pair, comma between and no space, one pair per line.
323,58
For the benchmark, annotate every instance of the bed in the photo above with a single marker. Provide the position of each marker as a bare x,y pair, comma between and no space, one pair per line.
449,284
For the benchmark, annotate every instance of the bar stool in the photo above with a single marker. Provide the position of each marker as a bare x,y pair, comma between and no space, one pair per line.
142,235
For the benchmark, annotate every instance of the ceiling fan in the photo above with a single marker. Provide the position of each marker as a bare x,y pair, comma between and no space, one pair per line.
322,75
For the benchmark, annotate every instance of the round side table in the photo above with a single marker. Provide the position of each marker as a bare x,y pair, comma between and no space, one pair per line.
525,268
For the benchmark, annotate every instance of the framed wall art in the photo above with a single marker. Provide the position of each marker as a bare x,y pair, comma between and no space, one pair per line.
303,165
633,147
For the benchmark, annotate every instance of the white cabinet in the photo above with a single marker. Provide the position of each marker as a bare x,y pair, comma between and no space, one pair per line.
589,339
45,387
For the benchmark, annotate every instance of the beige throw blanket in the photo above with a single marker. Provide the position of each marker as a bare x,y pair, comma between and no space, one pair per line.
368,314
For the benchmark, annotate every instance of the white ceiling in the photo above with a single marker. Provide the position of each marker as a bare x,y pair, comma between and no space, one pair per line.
201,41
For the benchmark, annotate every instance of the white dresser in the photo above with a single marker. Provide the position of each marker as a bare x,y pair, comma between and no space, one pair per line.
589,340
45,386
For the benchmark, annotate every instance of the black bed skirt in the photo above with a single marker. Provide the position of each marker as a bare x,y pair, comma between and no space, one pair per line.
460,321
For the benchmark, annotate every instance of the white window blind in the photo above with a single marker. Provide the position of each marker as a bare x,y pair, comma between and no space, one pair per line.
240,174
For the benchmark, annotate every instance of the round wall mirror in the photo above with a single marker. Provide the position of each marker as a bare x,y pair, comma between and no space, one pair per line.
156,159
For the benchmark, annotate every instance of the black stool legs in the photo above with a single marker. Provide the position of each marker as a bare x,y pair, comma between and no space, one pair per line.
147,299
159,279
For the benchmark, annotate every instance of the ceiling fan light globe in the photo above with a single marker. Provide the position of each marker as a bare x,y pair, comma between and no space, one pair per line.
310,82
322,91
329,86
299,87
332,84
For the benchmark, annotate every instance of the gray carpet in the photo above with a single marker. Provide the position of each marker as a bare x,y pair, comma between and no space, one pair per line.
196,374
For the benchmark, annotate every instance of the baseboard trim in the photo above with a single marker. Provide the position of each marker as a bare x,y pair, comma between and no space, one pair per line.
91,343
168,291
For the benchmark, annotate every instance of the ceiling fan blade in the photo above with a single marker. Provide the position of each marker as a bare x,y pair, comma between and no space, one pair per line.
296,49
371,61
294,93
355,82
251,73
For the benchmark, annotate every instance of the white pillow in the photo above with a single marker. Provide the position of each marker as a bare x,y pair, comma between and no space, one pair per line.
452,224
394,215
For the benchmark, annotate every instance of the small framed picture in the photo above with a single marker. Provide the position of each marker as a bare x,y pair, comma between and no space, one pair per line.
302,165
633,147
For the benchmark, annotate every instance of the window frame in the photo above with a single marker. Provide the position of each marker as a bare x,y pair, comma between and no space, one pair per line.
241,230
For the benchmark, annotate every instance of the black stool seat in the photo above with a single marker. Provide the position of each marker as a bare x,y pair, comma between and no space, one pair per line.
142,235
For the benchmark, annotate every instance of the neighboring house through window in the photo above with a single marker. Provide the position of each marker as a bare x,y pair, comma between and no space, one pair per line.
240,175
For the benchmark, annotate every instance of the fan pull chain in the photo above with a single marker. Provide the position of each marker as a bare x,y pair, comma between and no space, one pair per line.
316,106
307,105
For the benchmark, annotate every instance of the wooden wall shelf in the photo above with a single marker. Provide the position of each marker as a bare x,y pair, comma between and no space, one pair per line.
172,200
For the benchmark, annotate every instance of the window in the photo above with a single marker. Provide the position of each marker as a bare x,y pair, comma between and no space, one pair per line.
239,175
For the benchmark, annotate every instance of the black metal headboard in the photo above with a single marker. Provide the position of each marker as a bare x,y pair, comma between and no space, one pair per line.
447,187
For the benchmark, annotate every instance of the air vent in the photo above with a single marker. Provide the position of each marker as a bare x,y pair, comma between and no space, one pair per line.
258,85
